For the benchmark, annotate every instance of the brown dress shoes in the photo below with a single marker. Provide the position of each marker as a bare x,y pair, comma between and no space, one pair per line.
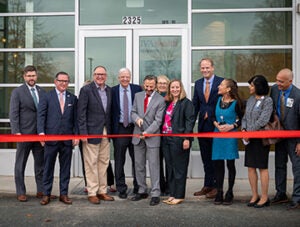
45,200
94,199
105,197
65,199
203,191
22,198
39,195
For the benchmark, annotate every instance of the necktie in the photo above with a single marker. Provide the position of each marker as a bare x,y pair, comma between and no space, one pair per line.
61,101
35,100
125,109
207,90
282,104
146,103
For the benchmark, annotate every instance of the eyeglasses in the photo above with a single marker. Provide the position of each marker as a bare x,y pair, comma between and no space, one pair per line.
63,81
100,74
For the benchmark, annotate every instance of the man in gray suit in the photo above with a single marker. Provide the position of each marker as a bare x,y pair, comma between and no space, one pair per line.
289,114
23,115
147,113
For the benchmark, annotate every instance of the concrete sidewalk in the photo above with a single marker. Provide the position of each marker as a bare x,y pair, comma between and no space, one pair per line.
194,211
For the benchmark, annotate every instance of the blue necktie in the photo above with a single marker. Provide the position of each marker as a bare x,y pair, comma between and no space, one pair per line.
35,100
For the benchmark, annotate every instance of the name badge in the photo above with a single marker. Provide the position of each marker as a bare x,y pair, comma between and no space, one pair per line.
289,102
258,103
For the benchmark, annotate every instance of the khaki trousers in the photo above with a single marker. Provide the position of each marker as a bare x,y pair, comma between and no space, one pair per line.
96,160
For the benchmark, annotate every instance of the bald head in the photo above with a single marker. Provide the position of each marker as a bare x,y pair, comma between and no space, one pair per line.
284,79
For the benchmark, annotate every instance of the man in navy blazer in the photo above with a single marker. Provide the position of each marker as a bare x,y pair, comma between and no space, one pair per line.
57,114
121,126
290,119
205,107
22,115
94,118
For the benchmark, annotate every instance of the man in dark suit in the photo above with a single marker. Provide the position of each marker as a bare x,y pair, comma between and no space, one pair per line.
147,113
57,114
123,126
94,118
289,114
22,115
205,99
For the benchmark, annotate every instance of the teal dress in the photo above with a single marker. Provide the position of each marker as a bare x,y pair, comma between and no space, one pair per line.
225,148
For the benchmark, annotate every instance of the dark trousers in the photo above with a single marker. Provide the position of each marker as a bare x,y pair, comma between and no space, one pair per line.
163,180
120,147
110,175
220,173
281,159
206,155
65,158
22,153
177,161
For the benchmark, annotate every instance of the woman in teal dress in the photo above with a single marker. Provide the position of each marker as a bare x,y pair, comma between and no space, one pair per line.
228,115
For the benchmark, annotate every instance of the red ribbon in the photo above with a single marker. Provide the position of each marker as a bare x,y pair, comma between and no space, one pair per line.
5,138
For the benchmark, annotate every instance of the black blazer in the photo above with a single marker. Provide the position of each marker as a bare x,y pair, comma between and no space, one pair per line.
50,120
202,107
183,117
116,110
92,117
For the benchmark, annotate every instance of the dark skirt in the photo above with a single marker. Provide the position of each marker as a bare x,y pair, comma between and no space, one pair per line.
257,155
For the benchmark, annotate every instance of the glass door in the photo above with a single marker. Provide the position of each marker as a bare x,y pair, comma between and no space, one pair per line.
144,51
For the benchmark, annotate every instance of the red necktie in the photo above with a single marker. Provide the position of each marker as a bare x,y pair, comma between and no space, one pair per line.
146,103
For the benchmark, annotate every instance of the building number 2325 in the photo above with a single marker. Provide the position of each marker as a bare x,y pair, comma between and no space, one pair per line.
131,20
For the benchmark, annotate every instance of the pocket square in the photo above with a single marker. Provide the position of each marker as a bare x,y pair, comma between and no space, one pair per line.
70,104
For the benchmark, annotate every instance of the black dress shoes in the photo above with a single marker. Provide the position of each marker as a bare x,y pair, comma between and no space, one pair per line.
123,195
265,204
154,201
251,204
293,205
139,196
279,198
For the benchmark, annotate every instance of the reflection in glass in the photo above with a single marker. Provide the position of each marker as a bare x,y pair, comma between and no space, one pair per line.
160,55
242,64
21,6
103,12
233,4
37,32
262,28
109,52
5,129
47,63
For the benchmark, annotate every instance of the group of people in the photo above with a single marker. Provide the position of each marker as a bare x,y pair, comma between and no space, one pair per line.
159,106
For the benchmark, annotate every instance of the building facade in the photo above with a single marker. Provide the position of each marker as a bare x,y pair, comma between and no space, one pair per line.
149,37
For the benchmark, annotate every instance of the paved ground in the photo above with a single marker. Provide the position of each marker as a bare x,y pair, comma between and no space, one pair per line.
193,212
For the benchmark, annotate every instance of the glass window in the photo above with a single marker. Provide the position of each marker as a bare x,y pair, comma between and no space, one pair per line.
37,32
21,6
241,65
5,129
102,12
160,55
233,4
47,63
261,28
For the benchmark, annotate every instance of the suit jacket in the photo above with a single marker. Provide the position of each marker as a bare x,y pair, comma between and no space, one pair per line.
116,109
23,113
92,117
183,118
291,120
202,107
50,120
152,118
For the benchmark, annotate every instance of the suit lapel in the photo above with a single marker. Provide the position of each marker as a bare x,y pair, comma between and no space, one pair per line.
96,94
29,96
54,97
